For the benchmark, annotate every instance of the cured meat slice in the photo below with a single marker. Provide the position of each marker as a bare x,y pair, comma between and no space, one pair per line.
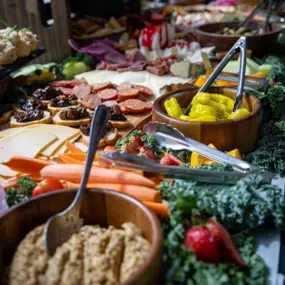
137,57
66,83
110,103
124,86
111,67
144,90
101,86
136,106
108,94
66,91
157,70
81,91
101,66
91,101
115,57
130,93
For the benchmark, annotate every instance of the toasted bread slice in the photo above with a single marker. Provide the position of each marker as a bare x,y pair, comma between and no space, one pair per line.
45,120
120,124
109,138
55,110
70,123
6,117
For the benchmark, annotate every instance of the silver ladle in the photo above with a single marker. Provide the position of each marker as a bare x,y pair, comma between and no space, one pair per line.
60,227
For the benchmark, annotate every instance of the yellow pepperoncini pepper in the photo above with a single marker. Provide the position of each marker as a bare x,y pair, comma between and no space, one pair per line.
205,119
185,118
172,108
202,98
238,114
221,109
199,110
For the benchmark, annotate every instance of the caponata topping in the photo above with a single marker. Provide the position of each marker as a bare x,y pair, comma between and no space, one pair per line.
63,101
115,113
74,113
31,104
47,93
29,116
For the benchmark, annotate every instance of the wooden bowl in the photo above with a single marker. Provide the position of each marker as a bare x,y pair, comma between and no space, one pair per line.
99,207
226,135
259,44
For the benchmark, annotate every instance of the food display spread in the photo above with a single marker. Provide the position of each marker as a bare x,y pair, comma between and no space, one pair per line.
201,170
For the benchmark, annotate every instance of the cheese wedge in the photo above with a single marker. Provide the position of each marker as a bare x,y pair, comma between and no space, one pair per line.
62,149
81,146
11,131
28,143
61,132
6,172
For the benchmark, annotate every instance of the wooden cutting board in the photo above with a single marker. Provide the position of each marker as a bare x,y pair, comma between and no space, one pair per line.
137,121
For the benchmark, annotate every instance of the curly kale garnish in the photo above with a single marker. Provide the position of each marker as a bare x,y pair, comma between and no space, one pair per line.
270,149
15,196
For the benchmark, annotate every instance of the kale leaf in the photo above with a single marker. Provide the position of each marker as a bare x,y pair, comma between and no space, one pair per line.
185,198
276,97
15,196
270,149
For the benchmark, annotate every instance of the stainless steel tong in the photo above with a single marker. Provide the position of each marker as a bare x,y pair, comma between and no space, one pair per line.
172,138
239,46
249,18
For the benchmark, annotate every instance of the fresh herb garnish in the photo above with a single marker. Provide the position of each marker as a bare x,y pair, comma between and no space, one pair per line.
15,196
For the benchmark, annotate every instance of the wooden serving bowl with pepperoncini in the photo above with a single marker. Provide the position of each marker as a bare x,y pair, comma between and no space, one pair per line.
227,133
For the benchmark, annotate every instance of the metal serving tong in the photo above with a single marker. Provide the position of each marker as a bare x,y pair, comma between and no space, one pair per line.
261,4
170,137
239,46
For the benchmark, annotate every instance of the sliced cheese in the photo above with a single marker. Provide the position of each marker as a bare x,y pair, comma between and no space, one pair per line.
11,131
63,148
81,146
61,132
6,172
27,143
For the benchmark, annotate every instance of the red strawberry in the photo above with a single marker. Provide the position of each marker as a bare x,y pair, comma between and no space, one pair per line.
228,248
138,142
169,159
147,152
203,243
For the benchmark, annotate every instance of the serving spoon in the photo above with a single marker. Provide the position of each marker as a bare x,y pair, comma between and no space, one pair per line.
60,227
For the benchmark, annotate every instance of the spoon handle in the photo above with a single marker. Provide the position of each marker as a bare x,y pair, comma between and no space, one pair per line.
98,125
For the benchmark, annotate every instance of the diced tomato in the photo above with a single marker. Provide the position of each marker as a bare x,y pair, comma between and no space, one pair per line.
47,185
169,159
138,142
110,148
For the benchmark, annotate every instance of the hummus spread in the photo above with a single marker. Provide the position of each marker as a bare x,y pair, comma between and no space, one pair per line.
93,256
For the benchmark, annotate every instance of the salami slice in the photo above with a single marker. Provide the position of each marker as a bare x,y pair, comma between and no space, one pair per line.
131,93
91,101
136,106
66,91
124,86
98,87
108,94
67,83
110,103
144,90
81,91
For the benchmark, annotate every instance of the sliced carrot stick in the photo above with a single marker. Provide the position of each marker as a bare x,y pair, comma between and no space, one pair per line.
139,192
12,182
26,165
69,160
73,173
158,208
76,156
72,148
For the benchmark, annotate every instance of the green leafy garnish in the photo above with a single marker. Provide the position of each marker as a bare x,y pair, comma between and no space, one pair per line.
15,196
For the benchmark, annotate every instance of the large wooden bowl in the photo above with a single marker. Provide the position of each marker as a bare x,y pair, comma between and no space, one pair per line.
259,44
99,207
225,135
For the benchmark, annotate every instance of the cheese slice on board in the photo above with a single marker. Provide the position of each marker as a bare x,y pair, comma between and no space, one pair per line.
27,143
11,131
63,148
81,146
63,133
6,172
